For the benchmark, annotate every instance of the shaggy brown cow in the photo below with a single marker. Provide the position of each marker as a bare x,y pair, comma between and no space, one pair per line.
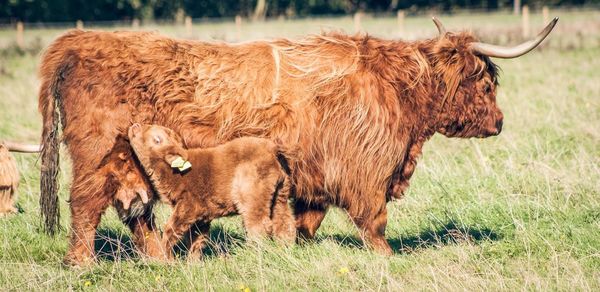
359,109
9,182
244,176
9,174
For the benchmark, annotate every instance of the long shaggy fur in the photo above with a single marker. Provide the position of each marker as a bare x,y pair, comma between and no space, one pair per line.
9,182
358,109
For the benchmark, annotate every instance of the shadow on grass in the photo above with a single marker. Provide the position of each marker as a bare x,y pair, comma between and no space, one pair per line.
114,246
220,242
447,234
111,245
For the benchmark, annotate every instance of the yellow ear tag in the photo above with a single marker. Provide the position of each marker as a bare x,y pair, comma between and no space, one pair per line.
186,165
178,162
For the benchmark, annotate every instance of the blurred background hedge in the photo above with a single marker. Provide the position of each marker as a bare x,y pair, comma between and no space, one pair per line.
147,10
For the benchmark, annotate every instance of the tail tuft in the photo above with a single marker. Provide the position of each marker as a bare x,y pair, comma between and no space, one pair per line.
56,64
49,177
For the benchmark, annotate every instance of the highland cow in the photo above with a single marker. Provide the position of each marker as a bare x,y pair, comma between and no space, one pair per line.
359,109
9,182
244,176
9,174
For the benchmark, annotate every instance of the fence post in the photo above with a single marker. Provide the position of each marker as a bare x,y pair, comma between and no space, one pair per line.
525,21
135,23
238,28
516,7
545,14
188,25
79,24
357,17
400,18
20,38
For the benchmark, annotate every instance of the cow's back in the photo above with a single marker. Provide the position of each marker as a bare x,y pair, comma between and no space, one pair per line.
111,81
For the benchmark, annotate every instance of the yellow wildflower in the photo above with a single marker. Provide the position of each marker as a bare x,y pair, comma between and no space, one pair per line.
343,270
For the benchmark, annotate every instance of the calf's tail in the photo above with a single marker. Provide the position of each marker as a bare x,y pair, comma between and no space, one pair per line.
285,155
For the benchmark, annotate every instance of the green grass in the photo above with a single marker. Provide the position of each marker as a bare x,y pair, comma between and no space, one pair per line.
518,211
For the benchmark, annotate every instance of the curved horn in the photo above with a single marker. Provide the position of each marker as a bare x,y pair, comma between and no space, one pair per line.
23,148
440,26
516,51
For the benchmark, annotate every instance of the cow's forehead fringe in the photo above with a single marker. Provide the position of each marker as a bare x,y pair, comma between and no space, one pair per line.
475,64
482,63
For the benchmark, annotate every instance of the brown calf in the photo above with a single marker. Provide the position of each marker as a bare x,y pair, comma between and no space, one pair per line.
245,176
127,187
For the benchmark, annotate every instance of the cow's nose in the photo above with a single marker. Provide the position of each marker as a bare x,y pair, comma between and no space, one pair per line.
499,126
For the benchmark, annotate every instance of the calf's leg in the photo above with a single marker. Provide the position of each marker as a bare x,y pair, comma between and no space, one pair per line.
181,220
197,237
254,202
281,217
146,235
256,212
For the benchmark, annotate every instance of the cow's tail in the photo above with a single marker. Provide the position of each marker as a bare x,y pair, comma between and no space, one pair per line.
55,66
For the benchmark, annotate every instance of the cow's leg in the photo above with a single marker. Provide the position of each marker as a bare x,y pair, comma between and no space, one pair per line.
308,218
88,201
7,204
371,225
197,237
146,235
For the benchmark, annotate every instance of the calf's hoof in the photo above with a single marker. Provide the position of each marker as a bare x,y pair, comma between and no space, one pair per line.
78,260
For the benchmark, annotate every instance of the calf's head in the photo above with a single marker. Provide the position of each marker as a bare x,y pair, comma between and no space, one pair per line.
124,178
468,81
153,144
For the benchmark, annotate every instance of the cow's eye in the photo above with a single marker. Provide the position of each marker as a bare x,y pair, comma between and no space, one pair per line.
487,88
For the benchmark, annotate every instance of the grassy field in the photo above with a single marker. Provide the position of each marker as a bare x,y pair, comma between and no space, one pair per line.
517,211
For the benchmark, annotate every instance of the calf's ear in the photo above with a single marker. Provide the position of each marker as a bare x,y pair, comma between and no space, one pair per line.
134,130
170,157
179,163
